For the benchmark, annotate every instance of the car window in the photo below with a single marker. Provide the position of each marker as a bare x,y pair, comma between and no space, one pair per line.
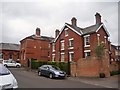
13,61
4,71
56,68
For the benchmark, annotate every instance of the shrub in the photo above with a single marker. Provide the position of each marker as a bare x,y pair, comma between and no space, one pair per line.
62,65
101,75
114,73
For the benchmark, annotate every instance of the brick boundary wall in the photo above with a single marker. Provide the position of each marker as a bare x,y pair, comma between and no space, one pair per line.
92,66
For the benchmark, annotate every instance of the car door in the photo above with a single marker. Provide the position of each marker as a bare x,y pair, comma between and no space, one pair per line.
44,70
13,63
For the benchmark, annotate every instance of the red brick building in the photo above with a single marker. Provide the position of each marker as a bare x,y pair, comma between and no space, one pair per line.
35,47
115,53
9,51
74,42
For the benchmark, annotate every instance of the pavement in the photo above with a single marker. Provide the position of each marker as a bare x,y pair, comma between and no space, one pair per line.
110,82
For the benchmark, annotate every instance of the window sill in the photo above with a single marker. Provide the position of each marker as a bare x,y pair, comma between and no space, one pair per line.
87,46
71,48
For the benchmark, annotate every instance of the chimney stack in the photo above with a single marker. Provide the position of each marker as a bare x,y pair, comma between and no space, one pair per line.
74,21
57,32
37,31
98,18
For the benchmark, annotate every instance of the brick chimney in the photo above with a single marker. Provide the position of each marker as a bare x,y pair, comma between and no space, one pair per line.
74,21
57,32
37,31
98,18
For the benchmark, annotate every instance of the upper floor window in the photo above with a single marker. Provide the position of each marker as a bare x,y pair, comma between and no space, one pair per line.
53,47
62,45
66,32
105,38
87,40
71,43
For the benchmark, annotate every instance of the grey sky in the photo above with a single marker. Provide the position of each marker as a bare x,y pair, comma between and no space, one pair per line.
20,19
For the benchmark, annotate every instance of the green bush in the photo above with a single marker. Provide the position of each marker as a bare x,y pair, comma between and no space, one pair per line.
62,65
114,73
101,75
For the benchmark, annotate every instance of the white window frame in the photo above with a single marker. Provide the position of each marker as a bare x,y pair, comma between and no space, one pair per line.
62,58
98,38
66,30
53,56
53,47
85,40
70,56
62,43
71,47
85,51
105,37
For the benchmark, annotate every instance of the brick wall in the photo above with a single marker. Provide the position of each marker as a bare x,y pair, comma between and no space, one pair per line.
91,66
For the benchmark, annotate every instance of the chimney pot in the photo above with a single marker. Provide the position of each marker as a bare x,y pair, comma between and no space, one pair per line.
74,21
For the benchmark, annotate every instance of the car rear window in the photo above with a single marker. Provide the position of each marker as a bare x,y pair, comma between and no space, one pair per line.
4,71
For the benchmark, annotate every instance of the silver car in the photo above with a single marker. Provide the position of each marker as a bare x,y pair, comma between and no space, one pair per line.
51,71
7,80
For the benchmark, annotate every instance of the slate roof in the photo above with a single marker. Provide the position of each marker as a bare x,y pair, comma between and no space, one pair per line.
87,30
83,31
39,38
9,46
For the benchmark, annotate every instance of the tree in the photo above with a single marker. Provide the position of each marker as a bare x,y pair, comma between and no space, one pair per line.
99,51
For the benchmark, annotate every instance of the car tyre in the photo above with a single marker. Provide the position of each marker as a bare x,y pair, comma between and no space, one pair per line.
50,75
5,65
39,73
17,66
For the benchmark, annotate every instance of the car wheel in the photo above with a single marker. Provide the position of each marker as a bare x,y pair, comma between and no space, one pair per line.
50,75
17,66
5,65
39,73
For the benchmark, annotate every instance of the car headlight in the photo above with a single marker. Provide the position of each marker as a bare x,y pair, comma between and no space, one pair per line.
56,73
15,84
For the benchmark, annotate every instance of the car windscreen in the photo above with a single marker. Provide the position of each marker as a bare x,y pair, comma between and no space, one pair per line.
56,68
4,71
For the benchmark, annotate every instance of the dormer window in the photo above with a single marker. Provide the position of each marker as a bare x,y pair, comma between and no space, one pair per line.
87,40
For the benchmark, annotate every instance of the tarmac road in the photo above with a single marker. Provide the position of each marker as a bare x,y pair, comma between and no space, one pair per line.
29,79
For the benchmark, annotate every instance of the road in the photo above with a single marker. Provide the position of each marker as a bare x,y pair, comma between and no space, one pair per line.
30,79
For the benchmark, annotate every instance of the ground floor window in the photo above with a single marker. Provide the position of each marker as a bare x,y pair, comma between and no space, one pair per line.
62,57
87,53
71,56
53,57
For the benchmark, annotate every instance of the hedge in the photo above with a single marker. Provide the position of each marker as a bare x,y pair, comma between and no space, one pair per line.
114,73
62,65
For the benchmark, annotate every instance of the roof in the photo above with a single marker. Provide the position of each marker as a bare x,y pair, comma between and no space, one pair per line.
9,46
115,47
39,38
83,31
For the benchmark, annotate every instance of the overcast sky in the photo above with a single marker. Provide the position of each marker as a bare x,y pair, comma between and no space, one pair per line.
20,19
